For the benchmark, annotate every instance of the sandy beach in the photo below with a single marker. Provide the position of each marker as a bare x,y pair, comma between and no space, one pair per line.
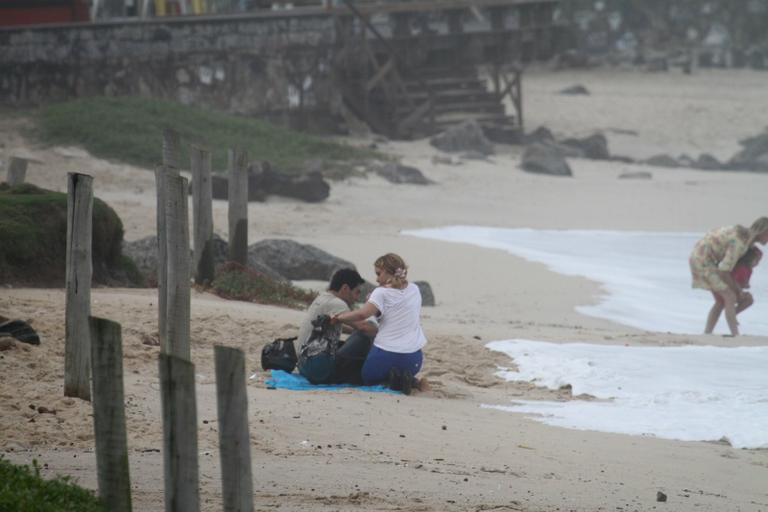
438,450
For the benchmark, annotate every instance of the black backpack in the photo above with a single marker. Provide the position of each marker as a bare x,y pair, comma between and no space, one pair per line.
324,339
279,355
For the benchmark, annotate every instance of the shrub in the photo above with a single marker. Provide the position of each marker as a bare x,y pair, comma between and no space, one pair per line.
23,490
233,281
33,239
129,129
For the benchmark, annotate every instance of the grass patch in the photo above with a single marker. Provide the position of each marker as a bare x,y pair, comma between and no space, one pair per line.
233,281
22,489
33,230
129,129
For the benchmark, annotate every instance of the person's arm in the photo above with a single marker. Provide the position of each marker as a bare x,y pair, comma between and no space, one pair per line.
366,327
357,317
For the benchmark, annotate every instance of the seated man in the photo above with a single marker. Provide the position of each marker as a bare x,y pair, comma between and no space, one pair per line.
343,291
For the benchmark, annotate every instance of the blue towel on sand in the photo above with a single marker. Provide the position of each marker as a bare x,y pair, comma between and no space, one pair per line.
283,380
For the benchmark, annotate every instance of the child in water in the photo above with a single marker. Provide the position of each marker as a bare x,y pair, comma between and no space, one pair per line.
740,274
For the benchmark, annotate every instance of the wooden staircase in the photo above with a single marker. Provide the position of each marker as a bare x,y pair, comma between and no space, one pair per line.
404,98
459,95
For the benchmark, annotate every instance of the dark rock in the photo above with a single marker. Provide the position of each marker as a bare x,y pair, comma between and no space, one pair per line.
540,134
542,159
310,187
143,252
623,159
427,297
396,173
637,175
660,496
686,161
595,146
623,131
708,163
221,256
662,161
467,136
576,90
564,150
754,154
293,260
21,331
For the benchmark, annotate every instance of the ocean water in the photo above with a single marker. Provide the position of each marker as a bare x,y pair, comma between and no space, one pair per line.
645,278
691,393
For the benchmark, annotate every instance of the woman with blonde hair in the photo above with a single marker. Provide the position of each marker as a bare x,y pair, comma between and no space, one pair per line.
396,355
712,260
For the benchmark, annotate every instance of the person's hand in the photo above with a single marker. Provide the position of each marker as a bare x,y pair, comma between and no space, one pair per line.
335,319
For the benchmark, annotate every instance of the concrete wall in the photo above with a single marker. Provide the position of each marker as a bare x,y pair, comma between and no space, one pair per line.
247,64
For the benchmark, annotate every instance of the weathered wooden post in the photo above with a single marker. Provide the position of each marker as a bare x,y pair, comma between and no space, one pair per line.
77,345
170,166
109,415
234,440
171,148
202,215
17,170
161,184
238,205
177,388
178,300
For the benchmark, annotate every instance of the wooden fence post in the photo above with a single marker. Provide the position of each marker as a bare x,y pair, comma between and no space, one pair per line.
178,300
177,386
109,415
234,440
17,171
171,148
202,215
237,192
161,184
77,346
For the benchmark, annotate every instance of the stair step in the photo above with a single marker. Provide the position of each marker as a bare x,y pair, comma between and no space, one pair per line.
473,106
470,108
454,95
469,82
484,119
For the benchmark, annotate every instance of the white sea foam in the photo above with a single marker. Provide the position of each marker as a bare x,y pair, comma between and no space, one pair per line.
645,275
691,393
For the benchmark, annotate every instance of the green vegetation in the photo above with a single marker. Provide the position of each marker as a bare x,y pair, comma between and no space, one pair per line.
233,281
33,231
23,490
129,129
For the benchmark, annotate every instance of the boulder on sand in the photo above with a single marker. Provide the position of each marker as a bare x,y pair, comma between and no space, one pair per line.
541,159
467,136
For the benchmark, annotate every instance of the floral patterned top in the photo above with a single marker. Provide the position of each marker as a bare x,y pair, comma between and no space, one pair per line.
720,249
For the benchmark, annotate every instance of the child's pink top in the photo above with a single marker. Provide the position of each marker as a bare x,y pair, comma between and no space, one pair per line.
741,275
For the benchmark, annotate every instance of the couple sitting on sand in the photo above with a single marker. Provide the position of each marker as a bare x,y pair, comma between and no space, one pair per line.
386,340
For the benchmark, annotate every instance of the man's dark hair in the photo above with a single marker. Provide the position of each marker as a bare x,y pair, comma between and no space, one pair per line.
348,276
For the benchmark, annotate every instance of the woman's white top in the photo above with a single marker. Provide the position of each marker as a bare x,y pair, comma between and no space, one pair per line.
399,326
